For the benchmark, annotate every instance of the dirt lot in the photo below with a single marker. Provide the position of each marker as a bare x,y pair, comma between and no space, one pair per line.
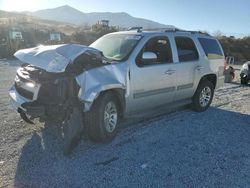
180,149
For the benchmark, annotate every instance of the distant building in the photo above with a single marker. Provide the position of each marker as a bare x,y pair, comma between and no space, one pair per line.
55,36
104,23
13,39
15,35
4,21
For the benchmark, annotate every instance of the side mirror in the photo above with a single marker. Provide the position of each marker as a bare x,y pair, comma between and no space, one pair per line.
149,57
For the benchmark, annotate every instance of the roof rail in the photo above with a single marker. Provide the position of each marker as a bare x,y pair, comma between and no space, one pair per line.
199,32
172,29
169,29
161,29
192,32
139,29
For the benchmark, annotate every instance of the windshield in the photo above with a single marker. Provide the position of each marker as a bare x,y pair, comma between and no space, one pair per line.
116,47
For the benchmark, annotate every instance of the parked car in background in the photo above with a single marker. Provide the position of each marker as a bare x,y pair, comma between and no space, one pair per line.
244,73
119,75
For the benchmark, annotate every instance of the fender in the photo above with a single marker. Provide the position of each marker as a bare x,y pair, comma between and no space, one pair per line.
97,80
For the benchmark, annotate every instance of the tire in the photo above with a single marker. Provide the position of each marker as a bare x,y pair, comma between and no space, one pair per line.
203,96
244,78
102,121
244,81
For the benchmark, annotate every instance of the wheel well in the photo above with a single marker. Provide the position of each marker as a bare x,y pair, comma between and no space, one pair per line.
119,94
210,77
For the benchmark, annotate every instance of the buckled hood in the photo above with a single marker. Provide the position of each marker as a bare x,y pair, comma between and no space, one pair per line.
53,58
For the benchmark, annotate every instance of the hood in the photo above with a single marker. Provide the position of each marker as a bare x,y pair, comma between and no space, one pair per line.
53,58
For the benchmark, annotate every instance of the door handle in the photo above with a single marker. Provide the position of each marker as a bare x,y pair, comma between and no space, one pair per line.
170,72
199,68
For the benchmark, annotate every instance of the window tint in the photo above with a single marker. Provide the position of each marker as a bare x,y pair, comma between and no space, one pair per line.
161,47
186,49
211,48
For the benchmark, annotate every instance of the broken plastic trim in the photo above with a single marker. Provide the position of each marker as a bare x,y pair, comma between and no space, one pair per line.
24,116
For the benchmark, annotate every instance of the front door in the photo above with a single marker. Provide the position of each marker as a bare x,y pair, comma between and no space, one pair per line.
152,83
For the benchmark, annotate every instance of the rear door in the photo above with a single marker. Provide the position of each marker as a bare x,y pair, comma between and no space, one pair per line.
187,66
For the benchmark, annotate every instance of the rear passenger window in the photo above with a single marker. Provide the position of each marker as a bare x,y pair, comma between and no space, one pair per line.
186,49
211,48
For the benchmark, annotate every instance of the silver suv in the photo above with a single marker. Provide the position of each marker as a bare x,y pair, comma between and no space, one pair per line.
119,75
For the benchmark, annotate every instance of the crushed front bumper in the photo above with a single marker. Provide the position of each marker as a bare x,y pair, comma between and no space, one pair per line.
16,99
23,105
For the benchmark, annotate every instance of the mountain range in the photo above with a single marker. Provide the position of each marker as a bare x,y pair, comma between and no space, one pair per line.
71,15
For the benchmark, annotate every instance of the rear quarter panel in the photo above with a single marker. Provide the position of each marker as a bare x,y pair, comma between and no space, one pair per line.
212,66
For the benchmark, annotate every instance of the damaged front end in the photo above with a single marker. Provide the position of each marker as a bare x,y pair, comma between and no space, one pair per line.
39,94
45,86
61,82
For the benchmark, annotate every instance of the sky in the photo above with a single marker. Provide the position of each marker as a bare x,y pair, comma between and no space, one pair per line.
230,17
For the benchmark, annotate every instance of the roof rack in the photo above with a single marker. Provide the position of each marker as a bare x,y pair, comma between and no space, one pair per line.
140,29
186,31
199,32
172,29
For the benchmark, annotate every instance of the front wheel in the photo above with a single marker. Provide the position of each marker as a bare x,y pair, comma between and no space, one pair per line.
102,120
203,96
244,81
244,78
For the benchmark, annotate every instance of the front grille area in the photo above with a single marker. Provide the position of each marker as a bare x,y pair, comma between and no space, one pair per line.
26,94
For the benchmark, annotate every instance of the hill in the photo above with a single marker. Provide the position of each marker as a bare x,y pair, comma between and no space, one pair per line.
35,28
24,22
71,15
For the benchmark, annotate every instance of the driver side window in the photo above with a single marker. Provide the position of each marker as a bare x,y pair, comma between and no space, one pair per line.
160,46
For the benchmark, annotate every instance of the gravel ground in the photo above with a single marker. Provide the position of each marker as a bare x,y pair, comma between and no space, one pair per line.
179,149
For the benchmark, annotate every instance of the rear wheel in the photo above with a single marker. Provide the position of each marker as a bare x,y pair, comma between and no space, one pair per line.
203,96
102,120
